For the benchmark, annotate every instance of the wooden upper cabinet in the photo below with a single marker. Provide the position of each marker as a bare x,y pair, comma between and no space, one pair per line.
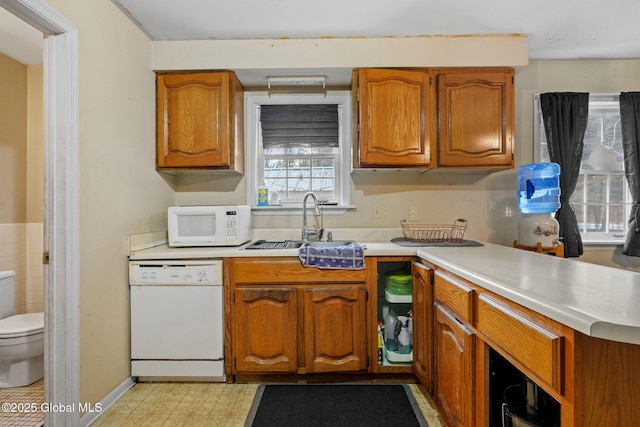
199,122
476,118
394,110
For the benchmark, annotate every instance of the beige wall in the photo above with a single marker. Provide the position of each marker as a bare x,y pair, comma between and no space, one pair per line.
35,146
120,192
487,200
34,301
13,141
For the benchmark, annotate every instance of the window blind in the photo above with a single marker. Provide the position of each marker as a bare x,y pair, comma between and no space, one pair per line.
307,125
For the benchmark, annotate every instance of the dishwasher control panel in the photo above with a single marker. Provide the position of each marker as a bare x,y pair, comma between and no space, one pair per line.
196,272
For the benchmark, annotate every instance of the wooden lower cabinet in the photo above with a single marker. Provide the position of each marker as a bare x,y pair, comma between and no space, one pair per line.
454,369
285,318
606,388
335,329
595,382
265,331
423,323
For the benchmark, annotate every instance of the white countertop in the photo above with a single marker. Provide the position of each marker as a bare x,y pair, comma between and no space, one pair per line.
377,242
598,301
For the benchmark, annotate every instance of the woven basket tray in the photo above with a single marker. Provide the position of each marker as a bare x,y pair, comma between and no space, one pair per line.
434,233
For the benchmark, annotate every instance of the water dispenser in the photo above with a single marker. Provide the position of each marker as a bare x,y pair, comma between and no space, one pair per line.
538,198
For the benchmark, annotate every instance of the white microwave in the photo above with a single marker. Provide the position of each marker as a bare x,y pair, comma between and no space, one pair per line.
209,225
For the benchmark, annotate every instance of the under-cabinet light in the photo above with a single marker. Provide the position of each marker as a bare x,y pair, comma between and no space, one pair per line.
296,81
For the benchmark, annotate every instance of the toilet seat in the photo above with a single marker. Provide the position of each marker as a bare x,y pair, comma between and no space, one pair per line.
21,325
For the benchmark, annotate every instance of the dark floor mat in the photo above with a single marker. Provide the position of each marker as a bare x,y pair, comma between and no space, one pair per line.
335,405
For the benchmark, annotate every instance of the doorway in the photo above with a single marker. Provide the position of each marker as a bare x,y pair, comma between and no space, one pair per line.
61,222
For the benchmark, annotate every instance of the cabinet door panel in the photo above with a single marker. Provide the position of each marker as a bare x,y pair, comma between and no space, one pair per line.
195,120
454,371
396,118
455,294
517,335
335,329
475,119
422,323
265,330
288,271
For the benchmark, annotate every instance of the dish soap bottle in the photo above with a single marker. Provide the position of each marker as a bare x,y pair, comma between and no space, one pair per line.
263,195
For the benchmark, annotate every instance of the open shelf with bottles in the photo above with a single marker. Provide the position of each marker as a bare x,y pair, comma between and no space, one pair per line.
391,287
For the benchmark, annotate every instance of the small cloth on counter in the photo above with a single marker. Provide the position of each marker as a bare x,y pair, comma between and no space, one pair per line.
348,257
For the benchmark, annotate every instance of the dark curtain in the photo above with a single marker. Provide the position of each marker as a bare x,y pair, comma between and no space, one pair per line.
565,118
630,121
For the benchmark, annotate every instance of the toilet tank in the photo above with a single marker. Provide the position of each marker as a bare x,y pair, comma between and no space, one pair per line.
6,293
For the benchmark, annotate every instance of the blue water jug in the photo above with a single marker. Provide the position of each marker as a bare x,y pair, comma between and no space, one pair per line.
539,188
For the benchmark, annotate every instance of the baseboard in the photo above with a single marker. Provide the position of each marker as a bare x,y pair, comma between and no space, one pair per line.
111,398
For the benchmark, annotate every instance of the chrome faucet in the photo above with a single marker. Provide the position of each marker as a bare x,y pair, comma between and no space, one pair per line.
316,232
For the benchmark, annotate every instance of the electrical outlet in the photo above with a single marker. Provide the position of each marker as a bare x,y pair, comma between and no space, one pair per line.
413,213
377,212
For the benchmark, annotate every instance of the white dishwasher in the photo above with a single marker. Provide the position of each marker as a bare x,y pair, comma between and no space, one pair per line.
177,329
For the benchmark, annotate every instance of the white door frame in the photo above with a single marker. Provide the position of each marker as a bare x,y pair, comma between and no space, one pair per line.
61,215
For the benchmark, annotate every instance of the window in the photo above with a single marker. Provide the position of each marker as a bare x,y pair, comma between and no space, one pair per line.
300,150
297,144
601,199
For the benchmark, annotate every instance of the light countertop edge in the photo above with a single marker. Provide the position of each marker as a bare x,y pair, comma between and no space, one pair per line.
163,252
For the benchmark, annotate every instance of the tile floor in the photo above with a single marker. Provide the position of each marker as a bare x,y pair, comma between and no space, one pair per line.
30,395
202,404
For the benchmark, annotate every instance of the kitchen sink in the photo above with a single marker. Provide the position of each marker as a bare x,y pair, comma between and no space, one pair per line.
275,244
331,244
294,244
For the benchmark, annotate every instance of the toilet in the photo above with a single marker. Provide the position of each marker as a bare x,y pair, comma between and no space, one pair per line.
21,340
